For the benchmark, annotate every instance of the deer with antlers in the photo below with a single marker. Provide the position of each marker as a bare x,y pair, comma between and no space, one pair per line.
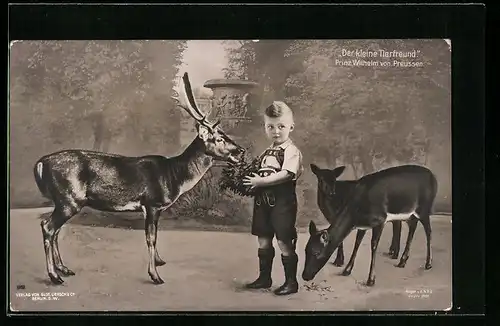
150,184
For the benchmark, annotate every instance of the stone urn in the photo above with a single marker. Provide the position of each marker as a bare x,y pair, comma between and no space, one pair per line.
231,103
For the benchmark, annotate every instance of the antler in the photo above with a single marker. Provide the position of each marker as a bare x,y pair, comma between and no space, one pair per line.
191,106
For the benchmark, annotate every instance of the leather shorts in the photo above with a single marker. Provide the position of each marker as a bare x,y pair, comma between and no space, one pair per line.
266,196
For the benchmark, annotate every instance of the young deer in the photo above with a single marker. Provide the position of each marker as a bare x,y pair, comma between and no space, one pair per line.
333,195
73,179
403,193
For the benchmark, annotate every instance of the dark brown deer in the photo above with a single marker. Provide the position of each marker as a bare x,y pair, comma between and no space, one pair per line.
403,193
73,179
333,195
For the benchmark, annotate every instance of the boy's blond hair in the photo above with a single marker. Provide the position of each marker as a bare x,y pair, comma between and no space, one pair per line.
278,109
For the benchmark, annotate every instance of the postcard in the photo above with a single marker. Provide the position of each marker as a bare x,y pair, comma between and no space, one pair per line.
230,175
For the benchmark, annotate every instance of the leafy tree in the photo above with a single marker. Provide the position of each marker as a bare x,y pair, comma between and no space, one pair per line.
102,95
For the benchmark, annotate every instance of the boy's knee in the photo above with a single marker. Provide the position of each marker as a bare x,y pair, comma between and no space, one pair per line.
287,247
265,243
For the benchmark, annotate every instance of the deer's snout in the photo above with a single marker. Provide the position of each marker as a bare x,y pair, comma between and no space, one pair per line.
238,150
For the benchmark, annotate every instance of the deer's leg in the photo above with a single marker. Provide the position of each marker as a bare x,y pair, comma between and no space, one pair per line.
376,233
359,237
396,240
152,215
60,267
50,226
412,225
339,260
158,260
425,220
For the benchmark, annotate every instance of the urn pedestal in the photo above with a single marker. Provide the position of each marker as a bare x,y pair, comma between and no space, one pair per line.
231,103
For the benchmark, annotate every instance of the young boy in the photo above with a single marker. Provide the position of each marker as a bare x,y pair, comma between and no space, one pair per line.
275,203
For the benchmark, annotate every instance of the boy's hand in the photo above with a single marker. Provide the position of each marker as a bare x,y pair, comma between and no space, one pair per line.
254,181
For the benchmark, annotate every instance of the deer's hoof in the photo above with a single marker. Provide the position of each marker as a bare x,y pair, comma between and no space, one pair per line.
64,271
401,265
338,263
56,279
370,282
156,279
346,272
428,266
392,254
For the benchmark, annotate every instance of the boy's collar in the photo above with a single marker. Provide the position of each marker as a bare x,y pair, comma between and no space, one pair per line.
284,145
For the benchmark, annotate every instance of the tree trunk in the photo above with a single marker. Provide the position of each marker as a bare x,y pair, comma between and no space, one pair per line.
277,69
101,135
366,160
330,162
106,141
426,151
97,136
352,163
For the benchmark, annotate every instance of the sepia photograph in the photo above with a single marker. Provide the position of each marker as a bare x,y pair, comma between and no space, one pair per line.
230,175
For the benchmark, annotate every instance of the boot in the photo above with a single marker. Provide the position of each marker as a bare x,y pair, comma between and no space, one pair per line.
290,266
264,280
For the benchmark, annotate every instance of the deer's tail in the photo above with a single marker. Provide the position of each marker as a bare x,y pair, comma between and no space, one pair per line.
429,195
38,171
434,190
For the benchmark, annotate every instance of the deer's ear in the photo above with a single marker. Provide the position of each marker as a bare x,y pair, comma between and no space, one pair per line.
312,228
314,168
203,132
338,171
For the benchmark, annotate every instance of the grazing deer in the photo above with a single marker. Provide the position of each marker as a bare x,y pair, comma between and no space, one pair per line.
73,179
403,193
333,195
